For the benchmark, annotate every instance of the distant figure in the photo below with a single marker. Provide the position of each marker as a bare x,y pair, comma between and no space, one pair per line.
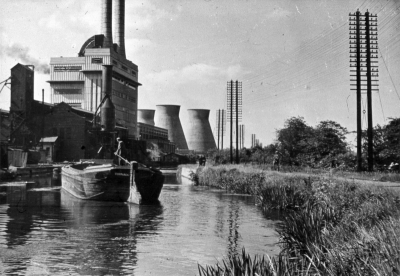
121,151
202,160
334,163
275,162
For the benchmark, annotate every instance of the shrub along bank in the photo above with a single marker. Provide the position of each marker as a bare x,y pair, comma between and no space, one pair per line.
330,227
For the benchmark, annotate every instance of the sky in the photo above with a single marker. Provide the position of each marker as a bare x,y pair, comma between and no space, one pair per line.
292,56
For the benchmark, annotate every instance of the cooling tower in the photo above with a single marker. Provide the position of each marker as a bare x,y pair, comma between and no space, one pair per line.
106,23
199,136
119,31
167,116
146,116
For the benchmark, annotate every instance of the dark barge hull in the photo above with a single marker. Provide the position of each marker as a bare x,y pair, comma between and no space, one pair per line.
108,182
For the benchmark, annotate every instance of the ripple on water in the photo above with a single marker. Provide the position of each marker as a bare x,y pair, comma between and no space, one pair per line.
45,231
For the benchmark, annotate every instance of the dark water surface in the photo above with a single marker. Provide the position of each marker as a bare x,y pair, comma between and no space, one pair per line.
45,231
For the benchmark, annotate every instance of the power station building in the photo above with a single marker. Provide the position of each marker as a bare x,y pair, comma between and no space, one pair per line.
78,80
153,134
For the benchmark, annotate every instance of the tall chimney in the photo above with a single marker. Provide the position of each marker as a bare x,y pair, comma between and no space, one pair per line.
107,109
119,15
106,23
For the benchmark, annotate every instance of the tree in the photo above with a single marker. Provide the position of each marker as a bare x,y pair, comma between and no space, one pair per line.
392,139
294,140
306,145
330,138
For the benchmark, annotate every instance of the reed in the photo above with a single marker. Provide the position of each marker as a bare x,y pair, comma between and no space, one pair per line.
330,227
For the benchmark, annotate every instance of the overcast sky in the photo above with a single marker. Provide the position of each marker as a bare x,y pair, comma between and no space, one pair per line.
292,57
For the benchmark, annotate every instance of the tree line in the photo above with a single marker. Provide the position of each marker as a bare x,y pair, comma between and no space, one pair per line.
326,144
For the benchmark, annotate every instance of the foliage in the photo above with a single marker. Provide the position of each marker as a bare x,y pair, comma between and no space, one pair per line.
301,144
386,143
305,146
331,227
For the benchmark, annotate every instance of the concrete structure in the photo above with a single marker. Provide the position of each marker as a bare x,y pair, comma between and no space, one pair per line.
119,15
78,80
156,135
167,116
106,23
152,134
199,134
146,116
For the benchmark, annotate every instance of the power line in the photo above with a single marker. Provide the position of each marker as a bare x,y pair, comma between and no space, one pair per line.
384,62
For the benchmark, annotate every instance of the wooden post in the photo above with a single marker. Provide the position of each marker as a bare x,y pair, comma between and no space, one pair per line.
134,195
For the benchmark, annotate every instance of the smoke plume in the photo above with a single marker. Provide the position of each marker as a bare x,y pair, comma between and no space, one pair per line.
22,53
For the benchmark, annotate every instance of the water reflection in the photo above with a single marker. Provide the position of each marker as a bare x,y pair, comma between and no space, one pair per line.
45,230
173,178
107,232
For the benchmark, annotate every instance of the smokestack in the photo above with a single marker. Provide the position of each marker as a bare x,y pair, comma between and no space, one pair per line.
167,116
119,15
107,109
200,137
146,116
106,23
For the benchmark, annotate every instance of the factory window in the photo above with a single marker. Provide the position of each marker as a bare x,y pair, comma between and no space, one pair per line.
67,91
115,63
124,68
134,73
76,105
97,60
132,99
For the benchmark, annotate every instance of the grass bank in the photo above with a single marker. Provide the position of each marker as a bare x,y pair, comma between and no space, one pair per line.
331,227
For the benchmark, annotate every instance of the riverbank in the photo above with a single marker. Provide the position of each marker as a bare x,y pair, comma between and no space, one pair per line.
332,226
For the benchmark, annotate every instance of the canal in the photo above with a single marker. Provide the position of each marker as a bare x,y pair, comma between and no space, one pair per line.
45,231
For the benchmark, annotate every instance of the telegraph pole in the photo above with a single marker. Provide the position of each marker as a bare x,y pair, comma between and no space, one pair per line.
234,104
231,150
218,128
237,122
363,36
222,130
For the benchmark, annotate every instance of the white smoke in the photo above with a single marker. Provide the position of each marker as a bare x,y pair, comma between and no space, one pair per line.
22,53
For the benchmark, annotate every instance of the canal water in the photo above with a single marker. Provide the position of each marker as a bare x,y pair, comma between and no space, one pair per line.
45,231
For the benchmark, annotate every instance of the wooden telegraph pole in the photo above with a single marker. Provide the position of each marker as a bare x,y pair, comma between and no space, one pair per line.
364,53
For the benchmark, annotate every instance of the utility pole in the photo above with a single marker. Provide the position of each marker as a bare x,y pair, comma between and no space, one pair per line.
218,125
243,136
231,113
42,130
237,122
234,103
222,128
363,36
219,129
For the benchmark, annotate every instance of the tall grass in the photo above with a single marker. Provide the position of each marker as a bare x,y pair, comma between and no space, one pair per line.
331,226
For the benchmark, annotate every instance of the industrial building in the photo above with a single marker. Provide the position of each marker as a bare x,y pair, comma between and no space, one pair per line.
63,129
153,134
77,92
78,80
